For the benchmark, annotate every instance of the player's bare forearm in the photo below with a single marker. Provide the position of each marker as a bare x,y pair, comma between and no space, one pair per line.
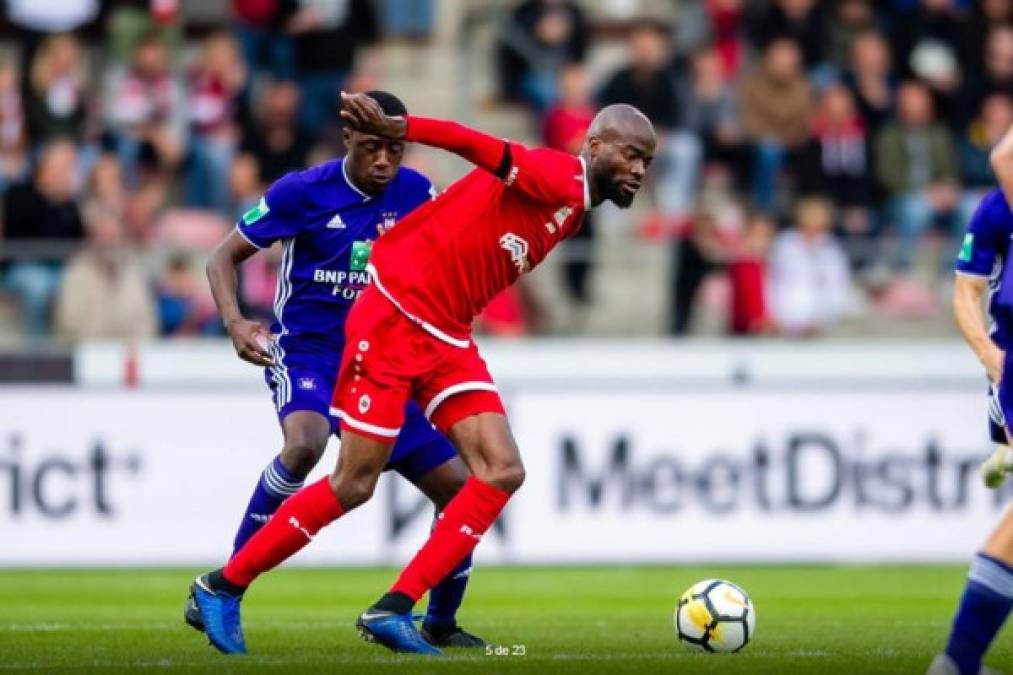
221,270
482,150
248,337
1002,164
968,294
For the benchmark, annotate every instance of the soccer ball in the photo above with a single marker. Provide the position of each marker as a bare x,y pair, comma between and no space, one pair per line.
715,616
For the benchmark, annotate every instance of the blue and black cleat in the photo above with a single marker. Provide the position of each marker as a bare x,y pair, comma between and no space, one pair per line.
396,632
191,612
218,614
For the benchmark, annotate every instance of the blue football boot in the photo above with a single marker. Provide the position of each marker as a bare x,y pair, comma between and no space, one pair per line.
191,612
396,632
219,613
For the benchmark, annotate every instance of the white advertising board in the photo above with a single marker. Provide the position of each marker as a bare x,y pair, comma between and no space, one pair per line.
624,474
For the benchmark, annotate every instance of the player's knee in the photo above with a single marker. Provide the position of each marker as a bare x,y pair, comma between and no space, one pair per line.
300,455
352,491
506,477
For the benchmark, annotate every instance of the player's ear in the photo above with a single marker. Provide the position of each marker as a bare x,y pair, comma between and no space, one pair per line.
346,136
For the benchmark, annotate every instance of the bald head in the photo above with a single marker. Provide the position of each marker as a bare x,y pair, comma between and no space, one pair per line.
621,119
619,147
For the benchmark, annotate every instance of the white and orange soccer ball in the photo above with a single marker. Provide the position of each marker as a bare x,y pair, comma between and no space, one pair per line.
714,615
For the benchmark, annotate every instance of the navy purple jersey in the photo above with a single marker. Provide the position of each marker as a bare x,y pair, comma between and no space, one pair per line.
984,252
327,227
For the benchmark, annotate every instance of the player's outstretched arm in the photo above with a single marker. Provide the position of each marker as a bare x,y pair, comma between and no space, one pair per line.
482,150
968,295
248,337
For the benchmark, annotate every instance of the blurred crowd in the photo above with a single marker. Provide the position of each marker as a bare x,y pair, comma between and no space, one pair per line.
124,137
813,153
808,148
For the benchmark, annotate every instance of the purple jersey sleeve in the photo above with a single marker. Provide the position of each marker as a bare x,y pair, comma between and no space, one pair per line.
986,236
277,215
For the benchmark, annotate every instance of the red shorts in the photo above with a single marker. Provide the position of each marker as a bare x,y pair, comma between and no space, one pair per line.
389,360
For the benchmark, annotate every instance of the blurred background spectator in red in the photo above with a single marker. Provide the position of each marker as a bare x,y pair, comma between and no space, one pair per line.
214,86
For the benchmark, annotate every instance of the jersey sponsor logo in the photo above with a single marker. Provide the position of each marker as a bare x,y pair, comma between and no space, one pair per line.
360,255
257,212
518,250
558,218
967,248
336,223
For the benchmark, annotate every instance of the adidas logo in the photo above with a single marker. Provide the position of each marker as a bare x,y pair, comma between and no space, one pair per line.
336,223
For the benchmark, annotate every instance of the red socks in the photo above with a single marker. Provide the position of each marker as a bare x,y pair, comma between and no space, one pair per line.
457,532
295,523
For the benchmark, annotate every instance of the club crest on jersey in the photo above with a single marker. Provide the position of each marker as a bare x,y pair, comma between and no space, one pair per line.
389,219
518,250
307,383
364,403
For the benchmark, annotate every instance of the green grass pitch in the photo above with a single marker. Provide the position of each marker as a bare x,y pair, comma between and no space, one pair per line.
810,619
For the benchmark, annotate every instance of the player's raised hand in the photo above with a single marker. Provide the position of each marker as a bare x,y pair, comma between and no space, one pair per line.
364,114
250,338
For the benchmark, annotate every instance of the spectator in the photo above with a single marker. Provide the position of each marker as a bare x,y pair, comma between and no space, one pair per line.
326,35
535,42
144,107
808,273
104,293
564,128
916,165
850,18
996,76
649,84
932,26
776,109
726,18
871,79
985,16
273,140
747,271
981,136
408,19
42,210
56,99
264,47
696,255
13,138
215,84
183,308
798,20
835,164
711,113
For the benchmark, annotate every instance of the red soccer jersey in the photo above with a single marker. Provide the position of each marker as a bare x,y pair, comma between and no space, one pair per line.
443,263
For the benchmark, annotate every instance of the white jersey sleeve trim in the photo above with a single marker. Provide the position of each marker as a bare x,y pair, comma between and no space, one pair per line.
457,389
972,274
248,240
426,326
364,426
587,190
